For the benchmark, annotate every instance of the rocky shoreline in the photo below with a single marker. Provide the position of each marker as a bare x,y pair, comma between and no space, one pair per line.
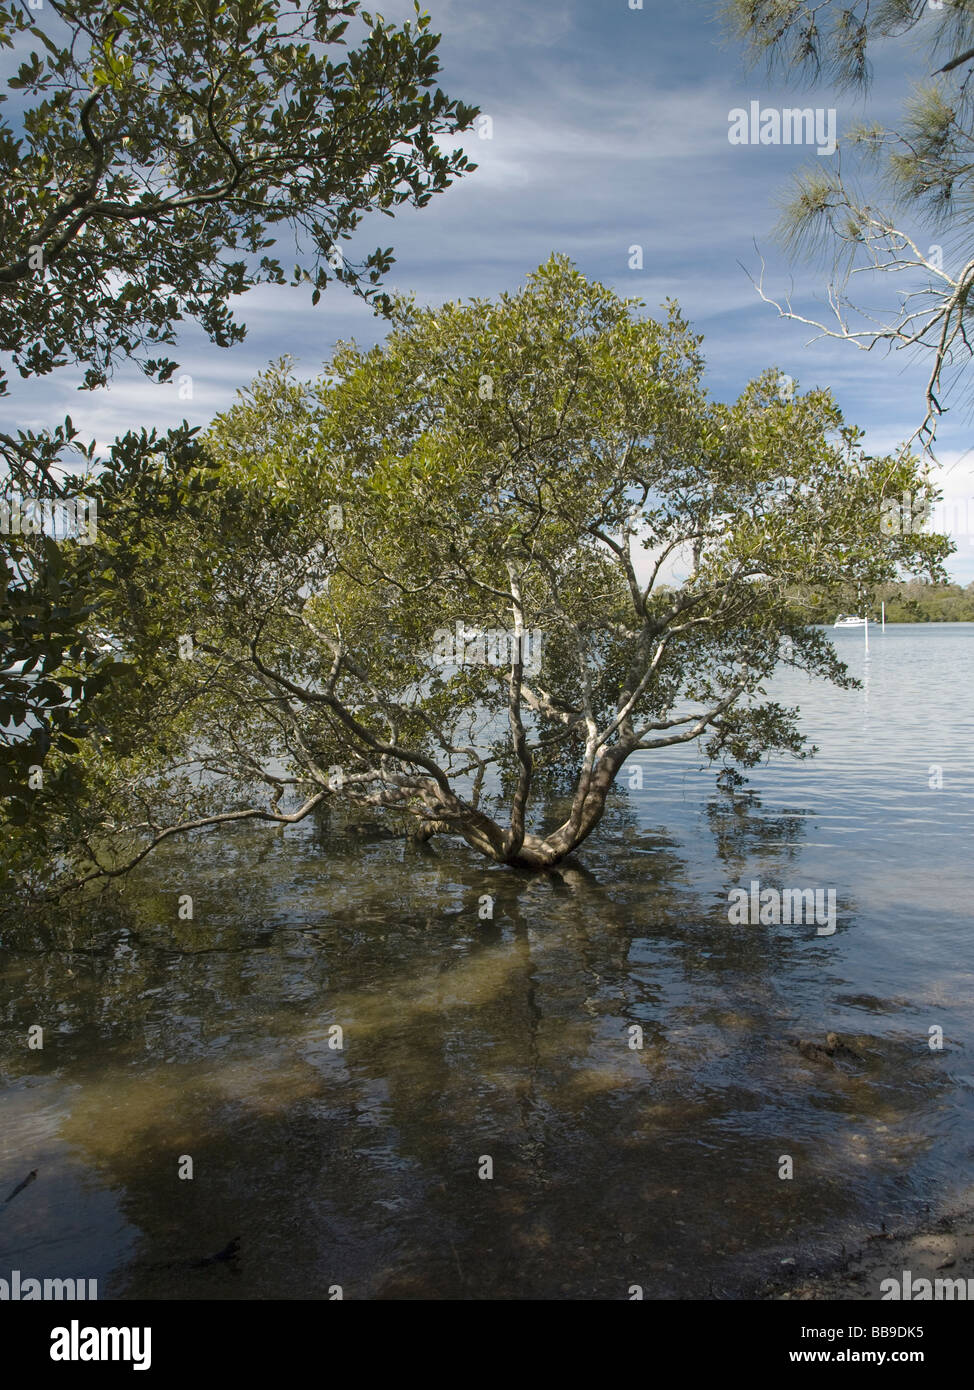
939,1250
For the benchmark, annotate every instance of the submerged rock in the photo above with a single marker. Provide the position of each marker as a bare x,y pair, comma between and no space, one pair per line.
371,829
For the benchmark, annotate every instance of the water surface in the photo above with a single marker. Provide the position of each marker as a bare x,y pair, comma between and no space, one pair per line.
464,1039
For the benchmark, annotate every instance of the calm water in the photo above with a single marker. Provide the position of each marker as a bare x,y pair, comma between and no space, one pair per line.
509,1038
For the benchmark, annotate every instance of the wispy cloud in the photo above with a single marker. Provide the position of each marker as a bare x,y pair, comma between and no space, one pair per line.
609,130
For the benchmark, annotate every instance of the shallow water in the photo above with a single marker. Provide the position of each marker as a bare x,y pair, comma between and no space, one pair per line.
509,1039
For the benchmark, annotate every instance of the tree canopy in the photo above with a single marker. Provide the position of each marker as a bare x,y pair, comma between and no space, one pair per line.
433,581
158,158
863,218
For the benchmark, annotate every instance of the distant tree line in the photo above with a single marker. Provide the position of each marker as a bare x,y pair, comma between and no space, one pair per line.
916,602
910,601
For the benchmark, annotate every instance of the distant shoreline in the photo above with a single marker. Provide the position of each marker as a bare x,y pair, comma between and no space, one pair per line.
915,622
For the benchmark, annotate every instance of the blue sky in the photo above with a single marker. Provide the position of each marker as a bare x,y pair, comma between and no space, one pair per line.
609,129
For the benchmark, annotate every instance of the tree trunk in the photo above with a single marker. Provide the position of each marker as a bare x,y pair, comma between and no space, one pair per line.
543,853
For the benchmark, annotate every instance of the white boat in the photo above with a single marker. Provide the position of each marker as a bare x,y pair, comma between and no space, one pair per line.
843,620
